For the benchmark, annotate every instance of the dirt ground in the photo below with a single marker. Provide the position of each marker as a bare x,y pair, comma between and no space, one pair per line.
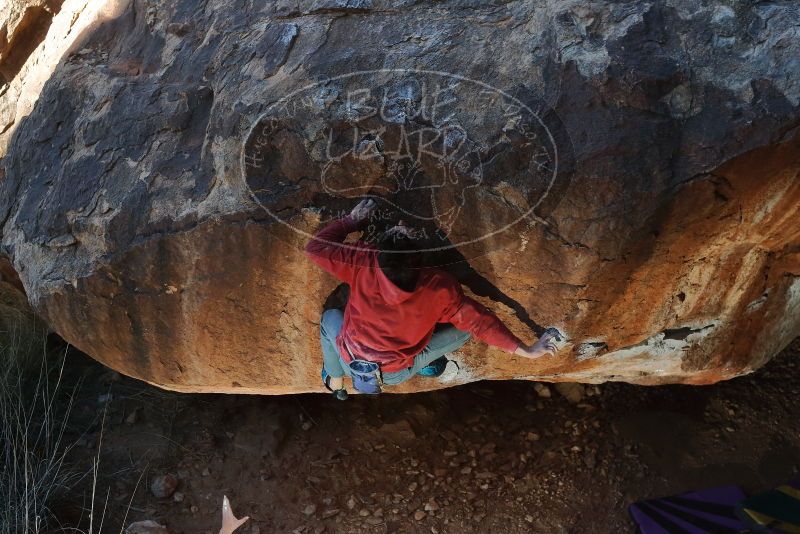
488,457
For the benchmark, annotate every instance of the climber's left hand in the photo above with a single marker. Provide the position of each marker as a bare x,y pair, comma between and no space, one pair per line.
363,210
543,347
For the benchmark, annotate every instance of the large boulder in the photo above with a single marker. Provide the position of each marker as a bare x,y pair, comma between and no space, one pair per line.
22,334
627,172
23,24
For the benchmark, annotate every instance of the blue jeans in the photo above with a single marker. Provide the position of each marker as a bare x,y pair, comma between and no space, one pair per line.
443,341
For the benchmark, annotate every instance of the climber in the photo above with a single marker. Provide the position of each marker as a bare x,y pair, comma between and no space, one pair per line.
388,330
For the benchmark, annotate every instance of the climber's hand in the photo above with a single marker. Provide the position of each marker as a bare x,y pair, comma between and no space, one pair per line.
533,352
541,348
363,210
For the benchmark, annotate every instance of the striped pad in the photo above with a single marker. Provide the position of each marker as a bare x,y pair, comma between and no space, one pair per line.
711,511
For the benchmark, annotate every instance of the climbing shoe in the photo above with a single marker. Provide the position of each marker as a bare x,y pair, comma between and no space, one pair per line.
435,368
338,394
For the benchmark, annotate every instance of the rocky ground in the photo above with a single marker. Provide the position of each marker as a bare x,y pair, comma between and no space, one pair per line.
487,457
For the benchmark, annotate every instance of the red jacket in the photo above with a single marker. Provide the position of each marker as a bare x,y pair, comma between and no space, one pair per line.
387,325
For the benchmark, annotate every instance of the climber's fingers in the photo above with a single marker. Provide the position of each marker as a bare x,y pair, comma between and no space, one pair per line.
547,338
363,209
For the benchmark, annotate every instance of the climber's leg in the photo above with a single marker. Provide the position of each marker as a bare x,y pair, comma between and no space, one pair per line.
329,327
448,339
442,342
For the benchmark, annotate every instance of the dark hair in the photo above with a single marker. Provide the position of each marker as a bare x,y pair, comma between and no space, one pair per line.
399,259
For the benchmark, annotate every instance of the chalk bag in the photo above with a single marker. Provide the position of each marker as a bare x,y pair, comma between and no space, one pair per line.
366,376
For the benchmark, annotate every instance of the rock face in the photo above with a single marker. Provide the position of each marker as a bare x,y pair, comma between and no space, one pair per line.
627,172
22,334
23,24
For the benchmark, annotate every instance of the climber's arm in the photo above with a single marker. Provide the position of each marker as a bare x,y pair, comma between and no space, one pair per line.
328,249
467,314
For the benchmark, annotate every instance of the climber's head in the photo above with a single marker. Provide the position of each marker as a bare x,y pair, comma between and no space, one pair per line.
399,256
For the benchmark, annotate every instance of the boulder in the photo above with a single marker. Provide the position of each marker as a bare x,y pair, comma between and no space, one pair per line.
626,172
22,334
9,275
23,25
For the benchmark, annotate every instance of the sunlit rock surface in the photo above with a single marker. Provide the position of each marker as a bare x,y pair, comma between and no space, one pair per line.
626,172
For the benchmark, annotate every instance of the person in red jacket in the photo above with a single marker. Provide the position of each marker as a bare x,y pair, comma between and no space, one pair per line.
395,305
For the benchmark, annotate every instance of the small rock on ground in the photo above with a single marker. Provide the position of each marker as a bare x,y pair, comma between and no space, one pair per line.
164,486
572,392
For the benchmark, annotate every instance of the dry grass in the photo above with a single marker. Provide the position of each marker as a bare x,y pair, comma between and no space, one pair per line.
33,417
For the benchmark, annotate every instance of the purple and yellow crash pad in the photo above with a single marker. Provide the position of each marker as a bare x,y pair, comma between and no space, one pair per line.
698,512
776,510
